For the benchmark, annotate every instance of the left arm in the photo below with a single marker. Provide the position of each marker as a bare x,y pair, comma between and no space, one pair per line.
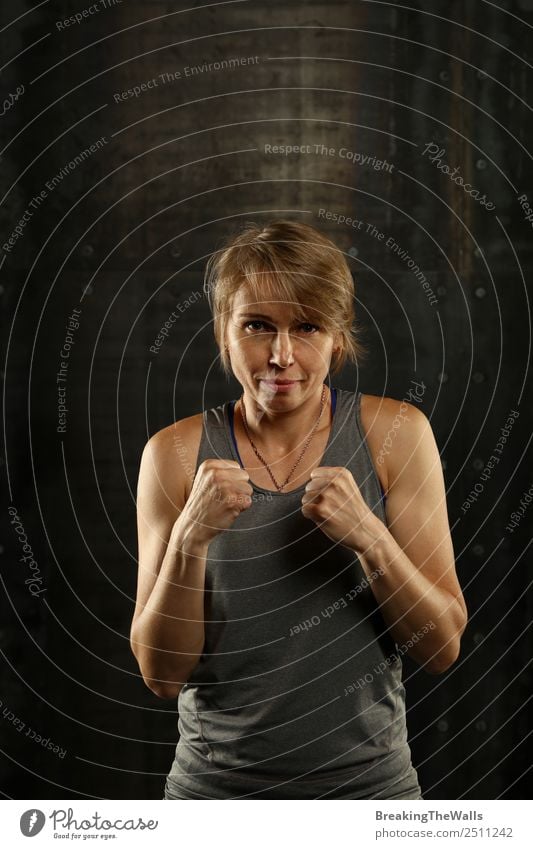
416,583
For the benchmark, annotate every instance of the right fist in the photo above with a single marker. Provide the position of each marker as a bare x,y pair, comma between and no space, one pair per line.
220,492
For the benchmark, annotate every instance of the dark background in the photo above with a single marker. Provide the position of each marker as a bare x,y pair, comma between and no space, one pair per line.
124,237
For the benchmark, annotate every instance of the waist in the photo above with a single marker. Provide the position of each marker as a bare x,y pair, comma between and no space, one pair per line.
390,776
291,727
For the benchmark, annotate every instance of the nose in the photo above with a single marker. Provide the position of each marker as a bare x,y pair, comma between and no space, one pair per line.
282,350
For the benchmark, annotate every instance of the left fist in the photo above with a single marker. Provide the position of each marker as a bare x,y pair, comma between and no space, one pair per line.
334,502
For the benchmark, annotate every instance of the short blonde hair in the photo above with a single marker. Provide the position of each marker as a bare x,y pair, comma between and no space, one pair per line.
297,265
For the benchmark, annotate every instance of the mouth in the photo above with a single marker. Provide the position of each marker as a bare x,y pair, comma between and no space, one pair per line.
279,382
279,385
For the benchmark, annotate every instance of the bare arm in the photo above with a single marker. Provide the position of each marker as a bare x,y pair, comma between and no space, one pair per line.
167,637
414,557
168,629
167,632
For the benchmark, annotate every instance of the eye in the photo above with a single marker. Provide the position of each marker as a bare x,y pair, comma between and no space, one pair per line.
256,321
305,324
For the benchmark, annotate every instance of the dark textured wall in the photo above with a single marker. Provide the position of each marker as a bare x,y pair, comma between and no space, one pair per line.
120,231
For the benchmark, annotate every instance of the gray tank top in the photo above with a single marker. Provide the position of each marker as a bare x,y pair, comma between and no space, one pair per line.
298,692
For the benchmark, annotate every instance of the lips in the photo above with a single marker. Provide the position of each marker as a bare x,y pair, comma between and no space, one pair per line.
279,382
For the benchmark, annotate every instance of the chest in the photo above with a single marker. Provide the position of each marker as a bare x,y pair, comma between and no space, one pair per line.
286,466
293,465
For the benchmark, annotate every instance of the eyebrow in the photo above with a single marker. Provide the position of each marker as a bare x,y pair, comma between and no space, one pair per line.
258,315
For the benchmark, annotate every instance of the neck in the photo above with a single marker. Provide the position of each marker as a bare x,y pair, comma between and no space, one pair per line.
282,431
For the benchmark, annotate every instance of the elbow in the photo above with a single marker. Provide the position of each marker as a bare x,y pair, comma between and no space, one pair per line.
444,659
164,680
159,686
163,690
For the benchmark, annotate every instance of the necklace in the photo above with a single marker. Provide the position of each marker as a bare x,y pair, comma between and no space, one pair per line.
264,462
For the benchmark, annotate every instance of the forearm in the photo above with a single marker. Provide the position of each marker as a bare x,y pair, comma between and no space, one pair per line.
168,635
410,602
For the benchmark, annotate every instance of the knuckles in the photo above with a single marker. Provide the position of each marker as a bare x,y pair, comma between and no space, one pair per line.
314,509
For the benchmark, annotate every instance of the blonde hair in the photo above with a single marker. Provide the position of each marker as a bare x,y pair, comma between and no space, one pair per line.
299,266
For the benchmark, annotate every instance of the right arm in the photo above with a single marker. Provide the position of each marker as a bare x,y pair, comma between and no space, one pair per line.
167,632
167,638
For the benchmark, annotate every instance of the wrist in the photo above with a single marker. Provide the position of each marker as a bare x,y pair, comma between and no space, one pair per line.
370,537
187,538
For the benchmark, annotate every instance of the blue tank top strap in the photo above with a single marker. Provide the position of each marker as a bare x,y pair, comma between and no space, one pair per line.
230,413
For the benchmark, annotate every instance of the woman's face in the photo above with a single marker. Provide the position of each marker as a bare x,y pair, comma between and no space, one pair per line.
267,344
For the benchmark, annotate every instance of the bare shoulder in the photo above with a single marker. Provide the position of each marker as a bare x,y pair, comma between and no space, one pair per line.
172,453
389,427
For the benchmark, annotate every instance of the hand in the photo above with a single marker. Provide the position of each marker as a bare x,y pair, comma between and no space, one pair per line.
220,492
333,500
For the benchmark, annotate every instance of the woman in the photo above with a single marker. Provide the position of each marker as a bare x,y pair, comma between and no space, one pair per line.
292,546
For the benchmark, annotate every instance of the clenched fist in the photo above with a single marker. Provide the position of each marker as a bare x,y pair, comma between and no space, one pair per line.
220,492
334,502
